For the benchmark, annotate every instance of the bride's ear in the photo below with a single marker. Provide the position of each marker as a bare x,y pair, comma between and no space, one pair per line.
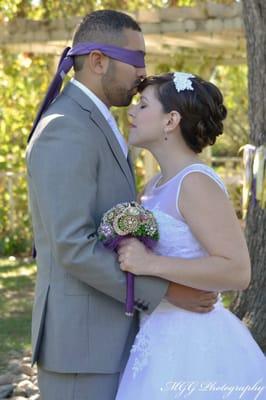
172,121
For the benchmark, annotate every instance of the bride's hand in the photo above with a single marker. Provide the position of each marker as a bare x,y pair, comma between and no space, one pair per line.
134,257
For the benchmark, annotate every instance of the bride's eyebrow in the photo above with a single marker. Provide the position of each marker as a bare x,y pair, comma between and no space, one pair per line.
143,98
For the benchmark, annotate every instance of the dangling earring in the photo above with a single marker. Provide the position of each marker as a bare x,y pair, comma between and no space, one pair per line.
165,136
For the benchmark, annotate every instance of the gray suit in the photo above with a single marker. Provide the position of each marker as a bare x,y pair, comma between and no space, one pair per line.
76,172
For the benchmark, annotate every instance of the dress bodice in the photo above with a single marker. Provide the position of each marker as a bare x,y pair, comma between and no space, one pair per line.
176,239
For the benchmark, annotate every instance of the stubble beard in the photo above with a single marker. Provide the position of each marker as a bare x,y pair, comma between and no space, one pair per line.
116,95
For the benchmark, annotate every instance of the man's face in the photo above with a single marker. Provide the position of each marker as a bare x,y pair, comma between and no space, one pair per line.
121,80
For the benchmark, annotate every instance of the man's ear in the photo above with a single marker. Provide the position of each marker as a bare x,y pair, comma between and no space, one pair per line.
172,121
97,62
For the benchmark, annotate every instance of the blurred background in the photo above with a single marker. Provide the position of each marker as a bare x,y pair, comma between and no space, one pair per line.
202,37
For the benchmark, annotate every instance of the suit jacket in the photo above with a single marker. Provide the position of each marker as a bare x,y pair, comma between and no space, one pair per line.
76,172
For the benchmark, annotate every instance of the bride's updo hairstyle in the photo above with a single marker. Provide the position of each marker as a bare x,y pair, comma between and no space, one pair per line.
201,107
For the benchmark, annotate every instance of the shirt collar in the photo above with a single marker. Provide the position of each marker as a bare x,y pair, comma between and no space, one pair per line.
99,103
105,112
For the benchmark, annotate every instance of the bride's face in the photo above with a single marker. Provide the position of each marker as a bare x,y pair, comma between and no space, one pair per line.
146,120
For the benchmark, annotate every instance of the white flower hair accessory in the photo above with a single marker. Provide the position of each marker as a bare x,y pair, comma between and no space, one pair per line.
182,81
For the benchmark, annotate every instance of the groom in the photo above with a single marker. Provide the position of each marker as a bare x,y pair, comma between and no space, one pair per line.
78,168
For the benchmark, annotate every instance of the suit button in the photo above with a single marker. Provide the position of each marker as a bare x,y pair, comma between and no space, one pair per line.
138,304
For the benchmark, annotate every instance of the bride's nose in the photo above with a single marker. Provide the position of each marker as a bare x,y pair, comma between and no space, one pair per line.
130,111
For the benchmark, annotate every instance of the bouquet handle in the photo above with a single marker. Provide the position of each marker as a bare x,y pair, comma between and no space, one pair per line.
130,294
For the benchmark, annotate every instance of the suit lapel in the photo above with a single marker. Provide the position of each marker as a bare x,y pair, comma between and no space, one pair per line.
86,103
131,166
101,122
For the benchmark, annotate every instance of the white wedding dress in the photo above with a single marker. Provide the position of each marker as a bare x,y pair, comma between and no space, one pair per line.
183,354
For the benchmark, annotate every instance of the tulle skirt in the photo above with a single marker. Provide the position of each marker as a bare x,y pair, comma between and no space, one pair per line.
179,354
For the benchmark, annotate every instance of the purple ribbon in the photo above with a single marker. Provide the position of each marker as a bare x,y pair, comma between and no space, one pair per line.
132,57
130,294
113,244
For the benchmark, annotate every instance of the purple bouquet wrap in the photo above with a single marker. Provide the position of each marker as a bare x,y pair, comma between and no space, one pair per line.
128,220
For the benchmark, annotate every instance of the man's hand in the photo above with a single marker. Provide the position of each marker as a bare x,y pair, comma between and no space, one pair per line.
191,299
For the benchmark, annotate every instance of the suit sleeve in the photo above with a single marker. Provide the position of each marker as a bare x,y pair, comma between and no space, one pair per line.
63,173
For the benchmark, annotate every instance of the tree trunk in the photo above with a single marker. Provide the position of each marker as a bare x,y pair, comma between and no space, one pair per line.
251,304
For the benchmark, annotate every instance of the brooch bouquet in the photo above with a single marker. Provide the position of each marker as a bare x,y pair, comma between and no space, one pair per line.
128,220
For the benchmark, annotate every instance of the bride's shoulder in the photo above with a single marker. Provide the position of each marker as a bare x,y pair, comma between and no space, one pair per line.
202,176
203,182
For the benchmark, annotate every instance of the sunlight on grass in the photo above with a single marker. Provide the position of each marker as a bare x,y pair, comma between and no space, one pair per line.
17,278
23,271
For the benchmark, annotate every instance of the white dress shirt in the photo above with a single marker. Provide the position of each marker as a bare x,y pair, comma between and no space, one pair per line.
106,113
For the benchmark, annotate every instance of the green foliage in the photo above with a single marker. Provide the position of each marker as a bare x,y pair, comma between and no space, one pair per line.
52,9
23,81
232,80
232,175
8,9
24,77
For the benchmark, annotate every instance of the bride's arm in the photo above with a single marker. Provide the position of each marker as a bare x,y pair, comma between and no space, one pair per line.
213,222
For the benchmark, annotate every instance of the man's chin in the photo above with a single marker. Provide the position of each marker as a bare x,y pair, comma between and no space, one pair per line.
123,103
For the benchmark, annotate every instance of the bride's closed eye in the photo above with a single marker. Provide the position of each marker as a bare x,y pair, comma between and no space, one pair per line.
142,104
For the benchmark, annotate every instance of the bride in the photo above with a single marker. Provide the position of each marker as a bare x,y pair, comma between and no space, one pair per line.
179,353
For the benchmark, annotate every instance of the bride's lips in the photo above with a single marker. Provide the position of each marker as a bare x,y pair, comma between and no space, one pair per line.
132,126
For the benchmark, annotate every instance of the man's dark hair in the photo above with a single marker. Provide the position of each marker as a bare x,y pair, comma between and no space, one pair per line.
103,26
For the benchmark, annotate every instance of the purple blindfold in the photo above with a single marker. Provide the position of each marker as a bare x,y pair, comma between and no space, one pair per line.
132,57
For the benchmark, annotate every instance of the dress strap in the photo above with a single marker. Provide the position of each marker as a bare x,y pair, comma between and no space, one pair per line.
202,168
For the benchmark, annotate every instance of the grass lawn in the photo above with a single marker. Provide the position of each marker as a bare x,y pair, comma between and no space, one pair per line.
17,279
